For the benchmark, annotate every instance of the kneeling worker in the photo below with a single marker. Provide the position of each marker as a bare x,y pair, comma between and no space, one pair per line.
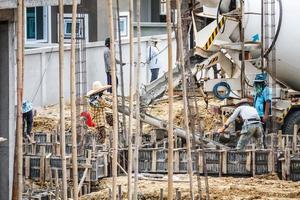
252,126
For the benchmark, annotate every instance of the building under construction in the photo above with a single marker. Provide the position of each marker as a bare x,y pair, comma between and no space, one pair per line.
149,99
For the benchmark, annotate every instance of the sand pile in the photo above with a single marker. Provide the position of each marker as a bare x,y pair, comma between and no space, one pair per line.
47,118
211,121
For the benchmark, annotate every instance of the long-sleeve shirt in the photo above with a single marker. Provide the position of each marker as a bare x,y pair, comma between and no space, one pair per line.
153,58
246,112
107,60
98,112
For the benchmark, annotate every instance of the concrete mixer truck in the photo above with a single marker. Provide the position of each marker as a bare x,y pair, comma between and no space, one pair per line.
251,36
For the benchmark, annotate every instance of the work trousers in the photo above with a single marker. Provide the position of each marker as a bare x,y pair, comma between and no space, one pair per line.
254,130
28,122
109,81
154,74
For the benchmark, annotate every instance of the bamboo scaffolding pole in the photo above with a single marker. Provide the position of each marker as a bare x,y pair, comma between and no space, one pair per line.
19,134
73,102
122,74
186,120
129,192
171,94
62,100
115,102
137,109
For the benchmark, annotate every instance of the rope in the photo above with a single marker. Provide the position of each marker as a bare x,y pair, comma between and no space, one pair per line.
44,73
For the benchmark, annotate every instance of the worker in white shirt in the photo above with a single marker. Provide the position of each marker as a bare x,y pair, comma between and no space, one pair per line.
153,59
252,126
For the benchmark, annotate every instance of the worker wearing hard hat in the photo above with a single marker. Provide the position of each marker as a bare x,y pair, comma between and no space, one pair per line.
153,59
107,63
263,97
251,127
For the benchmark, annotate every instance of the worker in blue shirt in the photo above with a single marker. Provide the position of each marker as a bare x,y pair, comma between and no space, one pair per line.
27,111
263,97
262,100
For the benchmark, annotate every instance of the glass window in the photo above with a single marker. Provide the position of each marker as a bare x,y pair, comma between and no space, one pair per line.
36,23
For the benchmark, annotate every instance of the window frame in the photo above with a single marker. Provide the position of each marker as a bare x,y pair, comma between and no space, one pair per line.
46,26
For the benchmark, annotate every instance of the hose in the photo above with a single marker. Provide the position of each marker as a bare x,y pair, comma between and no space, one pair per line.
268,51
218,94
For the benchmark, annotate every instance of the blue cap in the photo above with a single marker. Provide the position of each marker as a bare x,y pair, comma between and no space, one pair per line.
260,77
26,107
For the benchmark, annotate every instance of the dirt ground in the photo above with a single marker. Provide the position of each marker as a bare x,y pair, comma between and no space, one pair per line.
220,188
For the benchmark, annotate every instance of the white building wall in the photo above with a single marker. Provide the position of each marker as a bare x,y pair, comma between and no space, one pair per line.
42,69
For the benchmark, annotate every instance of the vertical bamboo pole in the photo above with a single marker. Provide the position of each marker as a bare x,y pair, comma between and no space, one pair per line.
262,35
122,74
62,99
73,102
130,101
137,109
19,135
243,65
170,91
186,120
115,104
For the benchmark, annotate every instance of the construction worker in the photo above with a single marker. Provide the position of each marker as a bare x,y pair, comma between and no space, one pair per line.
263,97
27,111
97,105
108,64
153,59
251,124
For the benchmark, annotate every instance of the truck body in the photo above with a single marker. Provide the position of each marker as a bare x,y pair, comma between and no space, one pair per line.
286,103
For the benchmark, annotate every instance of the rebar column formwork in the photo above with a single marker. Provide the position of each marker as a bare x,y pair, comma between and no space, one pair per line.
73,101
137,109
62,99
186,120
81,75
115,101
170,93
129,194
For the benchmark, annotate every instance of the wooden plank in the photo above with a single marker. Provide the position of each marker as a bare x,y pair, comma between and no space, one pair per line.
42,164
201,168
27,167
220,163
270,163
294,146
249,158
176,159
288,162
280,142
272,159
82,179
153,164
224,162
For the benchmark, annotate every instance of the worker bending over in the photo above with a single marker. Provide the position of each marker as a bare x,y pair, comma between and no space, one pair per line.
252,126
96,117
